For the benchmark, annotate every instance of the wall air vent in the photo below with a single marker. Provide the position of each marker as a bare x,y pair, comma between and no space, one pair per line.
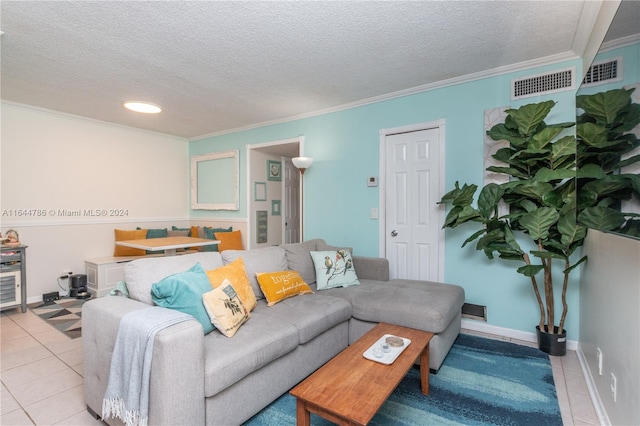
540,84
607,71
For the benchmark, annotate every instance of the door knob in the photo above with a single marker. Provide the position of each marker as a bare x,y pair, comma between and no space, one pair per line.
394,233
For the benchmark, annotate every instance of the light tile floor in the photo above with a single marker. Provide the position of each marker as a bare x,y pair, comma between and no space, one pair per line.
41,373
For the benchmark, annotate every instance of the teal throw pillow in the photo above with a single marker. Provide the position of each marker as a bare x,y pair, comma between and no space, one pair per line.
334,268
209,234
175,228
156,233
183,292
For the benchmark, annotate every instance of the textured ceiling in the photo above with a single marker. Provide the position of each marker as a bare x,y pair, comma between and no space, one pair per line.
216,65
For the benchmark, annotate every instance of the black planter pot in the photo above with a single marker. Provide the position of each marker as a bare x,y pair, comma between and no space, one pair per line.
553,344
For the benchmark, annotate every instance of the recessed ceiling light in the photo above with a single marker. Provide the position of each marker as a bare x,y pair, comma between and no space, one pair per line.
144,107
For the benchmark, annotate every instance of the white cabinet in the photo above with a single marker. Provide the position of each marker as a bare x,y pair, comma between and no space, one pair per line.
13,277
105,272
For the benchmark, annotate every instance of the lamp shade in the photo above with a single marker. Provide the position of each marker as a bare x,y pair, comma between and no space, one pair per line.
302,162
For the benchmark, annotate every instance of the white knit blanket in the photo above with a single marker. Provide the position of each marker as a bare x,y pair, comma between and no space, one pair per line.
127,395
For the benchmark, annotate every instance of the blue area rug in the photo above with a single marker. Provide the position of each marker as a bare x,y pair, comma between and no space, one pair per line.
482,382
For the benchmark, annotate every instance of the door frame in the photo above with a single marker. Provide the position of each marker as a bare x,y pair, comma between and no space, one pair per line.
382,216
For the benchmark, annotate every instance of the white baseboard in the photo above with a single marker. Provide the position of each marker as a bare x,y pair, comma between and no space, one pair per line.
510,333
591,386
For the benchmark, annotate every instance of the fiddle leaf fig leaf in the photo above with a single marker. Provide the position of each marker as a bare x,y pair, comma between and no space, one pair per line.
630,118
507,171
510,239
547,255
465,196
543,138
538,222
547,175
473,237
570,230
501,132
601,218
533,189
593,171
529,117
605,106
631,160
592,134
488,200
607,184
563,147
575,265
530,270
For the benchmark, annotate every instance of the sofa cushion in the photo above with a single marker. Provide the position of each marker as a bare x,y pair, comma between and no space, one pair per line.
299,259
229,240
225,309
334,268
155,233
321,245
423,305
266,259
236,273
281,285
259,341
310,315
209,234
125,234
183,292
141,274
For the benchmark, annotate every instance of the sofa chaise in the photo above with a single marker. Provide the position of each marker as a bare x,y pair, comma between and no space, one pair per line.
212,379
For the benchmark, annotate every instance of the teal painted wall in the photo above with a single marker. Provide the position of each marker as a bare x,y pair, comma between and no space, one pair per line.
345,148
630,68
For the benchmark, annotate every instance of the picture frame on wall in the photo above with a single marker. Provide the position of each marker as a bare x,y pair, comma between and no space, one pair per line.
274,170
259,191
262,224
275,207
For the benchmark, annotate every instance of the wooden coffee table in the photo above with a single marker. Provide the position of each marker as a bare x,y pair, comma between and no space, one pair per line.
350,389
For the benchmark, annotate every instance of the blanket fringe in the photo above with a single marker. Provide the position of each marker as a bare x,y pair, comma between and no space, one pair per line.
115,408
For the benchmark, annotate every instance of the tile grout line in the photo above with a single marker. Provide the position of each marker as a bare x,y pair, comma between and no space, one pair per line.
22,407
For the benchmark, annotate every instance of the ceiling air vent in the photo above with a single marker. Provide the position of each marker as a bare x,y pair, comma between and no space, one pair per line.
540,84
602,72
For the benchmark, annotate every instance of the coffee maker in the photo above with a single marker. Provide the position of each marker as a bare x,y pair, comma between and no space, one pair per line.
78,286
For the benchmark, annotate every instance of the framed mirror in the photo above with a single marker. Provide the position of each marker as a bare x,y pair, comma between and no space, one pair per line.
214,181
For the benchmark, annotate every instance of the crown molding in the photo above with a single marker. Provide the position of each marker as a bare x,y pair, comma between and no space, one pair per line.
521,66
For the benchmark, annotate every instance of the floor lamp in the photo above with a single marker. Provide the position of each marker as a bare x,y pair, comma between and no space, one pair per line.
302,164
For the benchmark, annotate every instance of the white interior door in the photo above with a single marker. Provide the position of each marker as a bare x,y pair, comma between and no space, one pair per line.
412,190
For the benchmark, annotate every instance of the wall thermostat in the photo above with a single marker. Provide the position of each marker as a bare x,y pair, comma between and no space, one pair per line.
372,181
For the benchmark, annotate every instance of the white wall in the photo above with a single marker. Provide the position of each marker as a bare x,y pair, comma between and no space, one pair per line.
274,191
610,321
53,162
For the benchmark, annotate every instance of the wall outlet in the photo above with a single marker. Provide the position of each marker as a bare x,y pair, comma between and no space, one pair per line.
599,359
66,273
614,387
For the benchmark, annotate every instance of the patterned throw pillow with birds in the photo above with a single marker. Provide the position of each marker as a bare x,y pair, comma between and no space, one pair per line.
334,269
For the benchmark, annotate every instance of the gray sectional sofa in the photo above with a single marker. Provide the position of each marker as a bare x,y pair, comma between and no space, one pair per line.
211,379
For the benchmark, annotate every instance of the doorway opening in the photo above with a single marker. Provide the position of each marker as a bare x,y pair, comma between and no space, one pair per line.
273,193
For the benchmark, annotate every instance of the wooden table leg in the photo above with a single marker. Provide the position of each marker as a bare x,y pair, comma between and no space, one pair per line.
303,416
424,370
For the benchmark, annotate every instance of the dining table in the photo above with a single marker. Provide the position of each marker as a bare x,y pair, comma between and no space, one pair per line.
168,244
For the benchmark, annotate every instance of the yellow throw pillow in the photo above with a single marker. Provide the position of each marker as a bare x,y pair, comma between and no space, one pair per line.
278,286
229,240
225,309
123,235
236,274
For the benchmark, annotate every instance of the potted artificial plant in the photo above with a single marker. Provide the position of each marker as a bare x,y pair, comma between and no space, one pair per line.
559,186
